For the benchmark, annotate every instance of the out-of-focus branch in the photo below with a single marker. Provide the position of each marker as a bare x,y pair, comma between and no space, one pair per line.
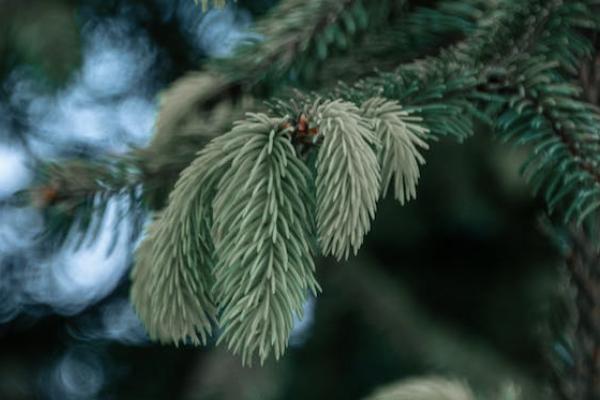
154,168
583,379
579,377
410,331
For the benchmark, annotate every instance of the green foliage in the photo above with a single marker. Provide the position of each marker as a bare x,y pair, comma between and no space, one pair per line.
172,275
299,36
243,216
233,245
547,115
193,90
256,187
442,94
75,195
263,226
534,100
194,109
408,34
348,178
543,110
401,137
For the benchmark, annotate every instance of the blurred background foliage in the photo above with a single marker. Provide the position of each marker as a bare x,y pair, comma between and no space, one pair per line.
461,283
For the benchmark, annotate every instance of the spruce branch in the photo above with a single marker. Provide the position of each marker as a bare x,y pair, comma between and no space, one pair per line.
172,275
543,109
348,178
577,366
251,269
185,107
443,89
263,227
583,263
463,77
299,35
189,94
75,194
547,115
575,338
401,136
441,95
70,191
546,112
446,89
409,35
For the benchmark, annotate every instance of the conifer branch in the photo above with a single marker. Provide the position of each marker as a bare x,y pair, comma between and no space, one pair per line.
251,269
547,115
348,178
442,95
298,35
409,35
464,76
577,365
192,93
263,228
70,192
75,194
172,275
544,111
443,89
583,263
401,138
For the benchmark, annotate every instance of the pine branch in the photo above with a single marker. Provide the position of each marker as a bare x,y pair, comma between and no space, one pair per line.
547,116
443,89
464,76
252,267
254,185
74,196
189,94
348,178
299,36
70,192
577,366
180,131
583,379
172,274
408,36
163,160
263,227
401,136
543,110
